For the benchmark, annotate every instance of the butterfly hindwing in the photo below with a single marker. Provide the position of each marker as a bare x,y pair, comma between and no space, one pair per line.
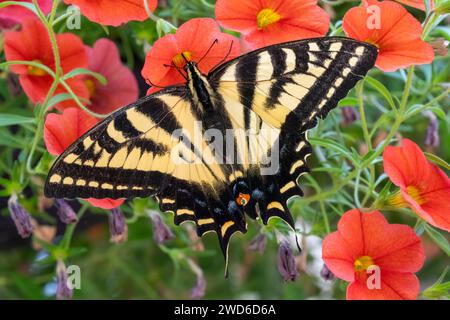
262,102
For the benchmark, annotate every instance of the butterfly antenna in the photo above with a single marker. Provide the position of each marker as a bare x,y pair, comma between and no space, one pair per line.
176,68
216,41
153,85
226,56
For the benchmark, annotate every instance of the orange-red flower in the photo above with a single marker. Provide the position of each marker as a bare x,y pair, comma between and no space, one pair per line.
114,13
267,22
32,43
61,130
192,40
12,15
393,30
423,186
122,87
418,4
377,258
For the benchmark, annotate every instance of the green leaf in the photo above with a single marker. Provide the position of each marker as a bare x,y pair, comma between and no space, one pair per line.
438,238
12,119
377,85
58,99
349,101
333,145
439,161
82,71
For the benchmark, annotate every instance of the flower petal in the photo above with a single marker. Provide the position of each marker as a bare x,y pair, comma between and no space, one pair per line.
338,257
394,286
107,204
114,13
61,130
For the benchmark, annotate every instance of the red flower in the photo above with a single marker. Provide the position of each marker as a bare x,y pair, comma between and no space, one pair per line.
423,186
122,87
13,15
418,4
32,43
366,241
114,13
395,32
269,22
193,39
61,130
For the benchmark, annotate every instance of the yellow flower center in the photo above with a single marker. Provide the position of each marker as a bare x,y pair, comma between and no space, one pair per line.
36,71
372,41
362,263
414,193
90,84
181,59
266,17
398,201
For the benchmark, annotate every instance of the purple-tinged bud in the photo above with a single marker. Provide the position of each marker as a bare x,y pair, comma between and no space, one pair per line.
258,243
440,46
349,115
432,138
65,212
12,80
326,274
161,232
198,291
63,291
117,226
286,262
20,216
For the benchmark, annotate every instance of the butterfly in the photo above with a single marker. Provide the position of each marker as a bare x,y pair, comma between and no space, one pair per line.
225,146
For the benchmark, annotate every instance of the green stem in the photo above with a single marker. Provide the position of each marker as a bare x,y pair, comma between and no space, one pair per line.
365,128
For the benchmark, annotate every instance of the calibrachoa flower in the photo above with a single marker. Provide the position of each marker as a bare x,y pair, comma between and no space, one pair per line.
65,212
398,35
161,232
418,4
367,239
12,15
61,130
114,13
193,40
32,43
121,88
269,22
423,186
63,291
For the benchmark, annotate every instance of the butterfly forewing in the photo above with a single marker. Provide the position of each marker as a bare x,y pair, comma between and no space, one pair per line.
264,102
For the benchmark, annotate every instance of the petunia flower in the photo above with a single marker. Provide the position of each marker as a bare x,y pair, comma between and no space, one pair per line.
13,15
423,186
198,40
121,88
32,43
114,13
267,22
395,32
378,259
418,4
61,130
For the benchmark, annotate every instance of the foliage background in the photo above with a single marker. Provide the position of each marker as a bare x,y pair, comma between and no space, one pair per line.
140,269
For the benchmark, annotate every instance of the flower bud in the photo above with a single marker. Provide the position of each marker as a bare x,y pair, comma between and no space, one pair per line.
326,274
20,216
63,291
432,138
440,46
198,291
258,243
65,212
286,262
117,226
349,115
161,232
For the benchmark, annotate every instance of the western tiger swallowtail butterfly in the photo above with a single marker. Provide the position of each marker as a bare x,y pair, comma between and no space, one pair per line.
263,102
